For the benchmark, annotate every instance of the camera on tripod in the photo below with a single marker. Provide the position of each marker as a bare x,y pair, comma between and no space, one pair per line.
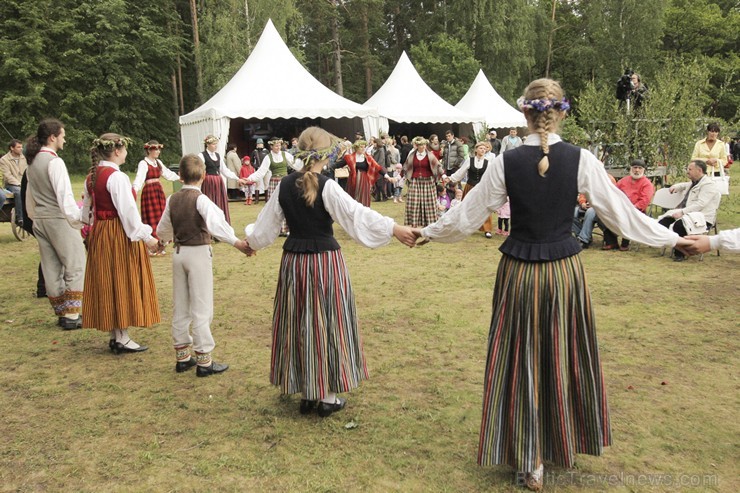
624,85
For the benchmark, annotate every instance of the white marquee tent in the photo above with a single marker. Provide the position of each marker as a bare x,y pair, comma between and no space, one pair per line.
406,98
483,99
271,84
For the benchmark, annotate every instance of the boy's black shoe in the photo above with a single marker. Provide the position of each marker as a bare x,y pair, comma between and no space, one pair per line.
207,371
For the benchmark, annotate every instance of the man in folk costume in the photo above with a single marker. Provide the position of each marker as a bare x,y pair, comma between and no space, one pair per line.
56,223
278,163
214,186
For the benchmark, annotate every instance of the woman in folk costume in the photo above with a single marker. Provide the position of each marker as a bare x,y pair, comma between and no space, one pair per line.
316,346
544,396
474,167
119,286
363,172
214,186
148,172
422,172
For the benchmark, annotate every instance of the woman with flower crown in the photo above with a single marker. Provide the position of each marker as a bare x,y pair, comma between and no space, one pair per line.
544,397
119,286
213,186
316,346
422,170
148,172
363,172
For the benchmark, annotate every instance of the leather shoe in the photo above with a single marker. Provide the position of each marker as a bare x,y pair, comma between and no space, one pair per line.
325,409
609,247
207,371
119,348
70,323
183,366
307,406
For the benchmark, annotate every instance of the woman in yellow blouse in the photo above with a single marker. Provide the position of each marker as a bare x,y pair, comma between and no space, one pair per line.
711,150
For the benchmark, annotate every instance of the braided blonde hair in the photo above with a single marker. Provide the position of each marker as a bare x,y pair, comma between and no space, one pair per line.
547,121
314,143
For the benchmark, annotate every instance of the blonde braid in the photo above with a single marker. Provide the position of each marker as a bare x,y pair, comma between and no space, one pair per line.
311,139
546,121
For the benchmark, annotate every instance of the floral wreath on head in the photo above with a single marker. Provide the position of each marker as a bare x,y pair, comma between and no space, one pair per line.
543,104
153,147
359,143
331,153
210,140
110,144
274,141
419,141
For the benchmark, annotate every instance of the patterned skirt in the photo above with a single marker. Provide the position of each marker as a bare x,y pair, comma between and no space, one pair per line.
119,286
316,345
214,188
274,181
421,202
544,396
361,193
488,225
153,203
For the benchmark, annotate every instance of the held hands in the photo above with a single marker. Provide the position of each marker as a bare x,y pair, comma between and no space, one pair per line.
154,245
696,244
243,246
243,182
405,235
418,236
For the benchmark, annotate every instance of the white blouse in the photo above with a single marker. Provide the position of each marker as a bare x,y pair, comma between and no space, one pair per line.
611,205
361,223
225,172
143,168
458,175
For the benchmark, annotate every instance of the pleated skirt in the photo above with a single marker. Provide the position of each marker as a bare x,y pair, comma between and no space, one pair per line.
316,344
361,192
274,182
544,396
153,202
214,188
421,202
119,286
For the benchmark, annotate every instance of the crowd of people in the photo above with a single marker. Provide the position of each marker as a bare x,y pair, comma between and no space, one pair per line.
537,405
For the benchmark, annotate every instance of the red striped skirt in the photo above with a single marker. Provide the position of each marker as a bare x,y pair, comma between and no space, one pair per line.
214,188
316,345
421,202
119,285
544,396
361,192
153,203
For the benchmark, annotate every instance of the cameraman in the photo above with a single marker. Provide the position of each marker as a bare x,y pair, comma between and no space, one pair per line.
630,87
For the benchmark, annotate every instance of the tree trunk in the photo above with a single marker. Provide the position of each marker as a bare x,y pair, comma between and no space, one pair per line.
549,40
196,53
366,53
338,85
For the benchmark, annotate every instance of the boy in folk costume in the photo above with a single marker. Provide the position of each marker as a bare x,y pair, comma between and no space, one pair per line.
148,172
190,219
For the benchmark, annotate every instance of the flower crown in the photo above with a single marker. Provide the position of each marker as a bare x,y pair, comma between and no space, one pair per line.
331,153
276,140
543,104
109,144
210,140
152,147
419,141
359,143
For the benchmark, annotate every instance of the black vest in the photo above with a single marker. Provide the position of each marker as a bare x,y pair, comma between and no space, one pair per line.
212,167
541,207
310,227
475,174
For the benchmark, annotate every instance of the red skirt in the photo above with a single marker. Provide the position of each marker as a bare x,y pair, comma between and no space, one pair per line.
153,203
213,187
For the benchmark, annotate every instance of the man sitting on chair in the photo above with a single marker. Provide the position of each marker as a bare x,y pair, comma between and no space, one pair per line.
701,196
639,189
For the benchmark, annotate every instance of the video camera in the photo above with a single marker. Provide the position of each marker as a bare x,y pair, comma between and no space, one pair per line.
624,85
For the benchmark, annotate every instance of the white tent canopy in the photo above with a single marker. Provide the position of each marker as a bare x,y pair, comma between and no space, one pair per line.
270,84
482,98
406,98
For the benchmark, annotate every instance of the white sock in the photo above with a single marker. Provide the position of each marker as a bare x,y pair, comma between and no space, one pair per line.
330,398
123,337
72,316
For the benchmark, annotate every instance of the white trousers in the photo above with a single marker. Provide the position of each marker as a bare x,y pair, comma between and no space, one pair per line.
192,297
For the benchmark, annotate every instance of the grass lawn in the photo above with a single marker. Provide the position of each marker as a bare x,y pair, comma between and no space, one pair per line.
77,418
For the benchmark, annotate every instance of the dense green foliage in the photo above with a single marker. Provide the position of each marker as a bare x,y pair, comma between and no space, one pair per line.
133,65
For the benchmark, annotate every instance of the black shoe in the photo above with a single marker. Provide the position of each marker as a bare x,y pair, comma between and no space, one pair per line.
679,259
112,345
119,348
307,406
207,371
70,323
41,294
183,366
326,409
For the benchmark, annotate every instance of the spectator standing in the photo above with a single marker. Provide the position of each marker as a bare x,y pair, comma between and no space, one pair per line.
258,155
452,153
495,142
235,166
511,141
711,150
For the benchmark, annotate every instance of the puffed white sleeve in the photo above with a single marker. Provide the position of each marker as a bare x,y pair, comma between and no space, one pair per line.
361,223
615,210
215,220
168,174
458,175
164,227
119,187
60,182
463,220
266,229
728,241
141,170
226,172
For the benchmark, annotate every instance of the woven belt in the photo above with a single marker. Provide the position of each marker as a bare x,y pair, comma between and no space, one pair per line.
152,180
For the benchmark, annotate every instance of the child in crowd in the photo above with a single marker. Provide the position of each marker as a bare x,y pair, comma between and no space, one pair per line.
458,198
190,218
399,181
443,200
246,172
504,213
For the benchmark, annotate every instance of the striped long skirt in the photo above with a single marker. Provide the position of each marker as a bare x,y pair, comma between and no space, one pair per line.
421,202
361,193
153,203
488,225
544,396
119,286
214,188
316,345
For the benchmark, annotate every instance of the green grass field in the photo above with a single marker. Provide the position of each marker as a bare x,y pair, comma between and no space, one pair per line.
77,418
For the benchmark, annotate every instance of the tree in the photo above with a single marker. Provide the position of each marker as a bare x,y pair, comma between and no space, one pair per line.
446,65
